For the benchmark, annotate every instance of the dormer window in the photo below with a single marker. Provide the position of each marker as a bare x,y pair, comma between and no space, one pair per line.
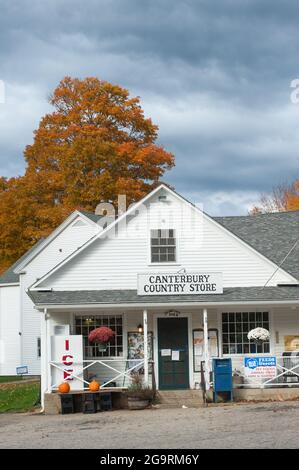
163,246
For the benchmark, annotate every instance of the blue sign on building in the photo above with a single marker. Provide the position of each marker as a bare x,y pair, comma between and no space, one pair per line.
260,361
260,367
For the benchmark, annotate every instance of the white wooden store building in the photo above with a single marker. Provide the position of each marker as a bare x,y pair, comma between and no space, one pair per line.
165,274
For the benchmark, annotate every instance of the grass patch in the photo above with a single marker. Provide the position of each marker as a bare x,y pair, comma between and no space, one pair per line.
19,397
9,378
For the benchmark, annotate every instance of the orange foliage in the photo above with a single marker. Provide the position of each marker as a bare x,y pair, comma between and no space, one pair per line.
284,197
293,199
95,145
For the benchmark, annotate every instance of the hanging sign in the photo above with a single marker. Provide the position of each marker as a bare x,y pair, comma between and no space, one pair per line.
260,367
180,284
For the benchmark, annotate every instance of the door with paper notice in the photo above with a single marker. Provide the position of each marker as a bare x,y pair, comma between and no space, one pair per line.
173,352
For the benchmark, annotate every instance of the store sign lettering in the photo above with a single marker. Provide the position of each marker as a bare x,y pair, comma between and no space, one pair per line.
180,284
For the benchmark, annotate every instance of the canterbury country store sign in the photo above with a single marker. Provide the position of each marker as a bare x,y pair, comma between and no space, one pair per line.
180,284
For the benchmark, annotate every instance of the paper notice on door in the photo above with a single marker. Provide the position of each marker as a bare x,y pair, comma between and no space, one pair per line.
198,350
175,356
165,352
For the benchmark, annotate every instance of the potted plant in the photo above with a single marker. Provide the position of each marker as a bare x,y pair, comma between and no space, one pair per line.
237,377
139,396
101,336
258,335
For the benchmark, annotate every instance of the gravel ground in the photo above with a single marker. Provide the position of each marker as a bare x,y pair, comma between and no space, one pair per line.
266,425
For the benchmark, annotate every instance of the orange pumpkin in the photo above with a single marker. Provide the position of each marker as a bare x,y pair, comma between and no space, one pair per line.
64,387
94,386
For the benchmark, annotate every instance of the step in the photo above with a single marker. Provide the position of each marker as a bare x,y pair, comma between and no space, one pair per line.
180,398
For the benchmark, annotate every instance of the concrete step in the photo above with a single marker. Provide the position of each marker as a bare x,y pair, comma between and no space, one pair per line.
179,398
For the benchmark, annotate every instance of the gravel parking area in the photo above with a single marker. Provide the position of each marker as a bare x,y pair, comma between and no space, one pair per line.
266,425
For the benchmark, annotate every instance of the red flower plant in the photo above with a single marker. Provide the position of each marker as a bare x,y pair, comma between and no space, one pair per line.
101,335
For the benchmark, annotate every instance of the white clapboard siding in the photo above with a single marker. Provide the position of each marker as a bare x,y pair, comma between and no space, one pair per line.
113,263
59,248
285,323
10,327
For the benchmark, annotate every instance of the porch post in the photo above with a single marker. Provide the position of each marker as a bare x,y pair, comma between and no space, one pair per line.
49,352
206,348
145,347
44,357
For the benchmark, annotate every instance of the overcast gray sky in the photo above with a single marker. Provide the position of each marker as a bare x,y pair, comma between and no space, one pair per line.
214,75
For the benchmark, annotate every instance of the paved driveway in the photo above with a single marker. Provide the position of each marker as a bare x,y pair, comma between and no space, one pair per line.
267,425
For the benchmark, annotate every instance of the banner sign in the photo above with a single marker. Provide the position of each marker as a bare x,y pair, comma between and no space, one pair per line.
260,367
180,284
67,353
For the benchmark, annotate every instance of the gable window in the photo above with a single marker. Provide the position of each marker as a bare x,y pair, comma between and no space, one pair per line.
235,328
163,246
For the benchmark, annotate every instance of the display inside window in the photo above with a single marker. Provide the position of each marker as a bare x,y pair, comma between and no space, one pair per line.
235,328
85,324
291,343
136,349
136,345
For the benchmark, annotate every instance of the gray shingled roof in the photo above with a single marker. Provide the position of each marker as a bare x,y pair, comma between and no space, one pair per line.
126,296
9,276
273,235
92,216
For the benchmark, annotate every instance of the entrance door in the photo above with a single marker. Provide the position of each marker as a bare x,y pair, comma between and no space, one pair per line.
173,351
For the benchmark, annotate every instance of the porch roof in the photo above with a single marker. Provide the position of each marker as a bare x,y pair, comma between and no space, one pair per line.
129,296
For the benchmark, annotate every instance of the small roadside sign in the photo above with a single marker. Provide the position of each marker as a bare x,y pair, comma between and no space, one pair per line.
22,370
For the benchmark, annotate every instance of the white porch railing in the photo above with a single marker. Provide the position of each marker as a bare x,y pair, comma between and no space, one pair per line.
119,369
287,373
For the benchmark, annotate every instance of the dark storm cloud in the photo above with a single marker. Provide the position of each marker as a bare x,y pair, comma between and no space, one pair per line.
215,77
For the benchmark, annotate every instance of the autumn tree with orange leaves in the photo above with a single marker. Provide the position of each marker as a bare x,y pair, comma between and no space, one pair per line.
95,145
284,197
293,198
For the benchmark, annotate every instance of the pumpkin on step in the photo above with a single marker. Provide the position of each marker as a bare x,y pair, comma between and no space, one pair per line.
64,387
94,386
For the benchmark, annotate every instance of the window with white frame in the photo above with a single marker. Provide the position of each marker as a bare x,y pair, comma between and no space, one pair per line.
235,328
84,324
38,344
163,246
